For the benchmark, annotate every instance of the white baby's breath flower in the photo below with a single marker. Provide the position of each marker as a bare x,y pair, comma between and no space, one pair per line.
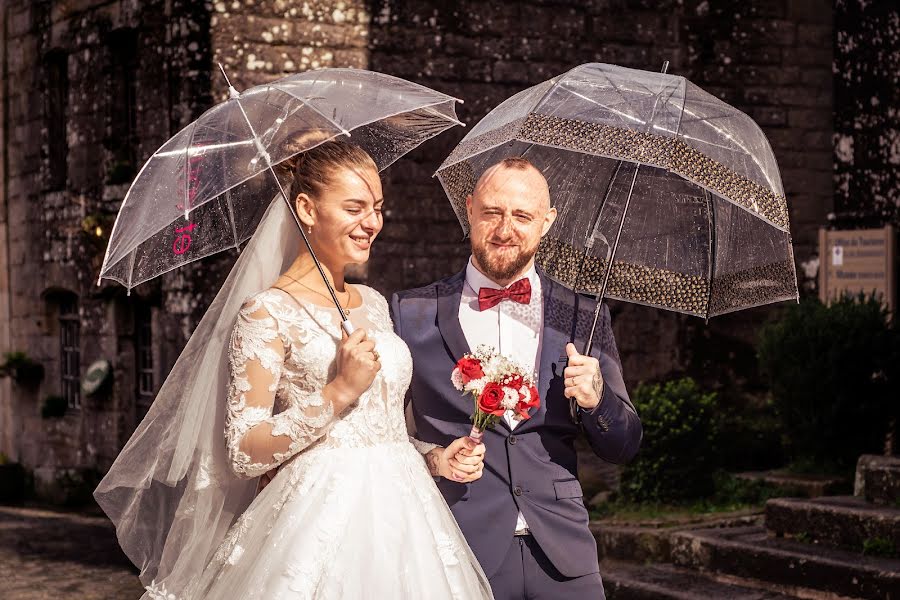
475,386
493,367
456,379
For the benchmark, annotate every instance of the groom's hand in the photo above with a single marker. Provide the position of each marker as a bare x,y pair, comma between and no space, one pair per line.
461,461
582,379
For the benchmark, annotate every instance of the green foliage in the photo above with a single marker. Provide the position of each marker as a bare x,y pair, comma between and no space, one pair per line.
678,454
54,407
879,546
21,368
833,372
750,438
731,494
731,490
119,172
804,538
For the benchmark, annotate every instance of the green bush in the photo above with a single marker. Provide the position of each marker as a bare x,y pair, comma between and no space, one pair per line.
678,456
833,372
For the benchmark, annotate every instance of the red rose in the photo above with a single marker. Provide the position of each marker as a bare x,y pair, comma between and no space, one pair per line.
491,399
527,403
470,368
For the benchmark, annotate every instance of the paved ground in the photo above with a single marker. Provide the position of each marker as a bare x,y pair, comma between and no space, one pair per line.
48,555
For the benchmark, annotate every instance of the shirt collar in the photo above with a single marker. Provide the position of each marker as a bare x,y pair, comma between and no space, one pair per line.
477,280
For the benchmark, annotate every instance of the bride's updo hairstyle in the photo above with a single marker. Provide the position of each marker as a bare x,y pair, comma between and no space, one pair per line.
311,171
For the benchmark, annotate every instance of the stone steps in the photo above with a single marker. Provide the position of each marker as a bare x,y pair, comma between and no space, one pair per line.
792,484
878,479
838,521
648,539
751,553
628,581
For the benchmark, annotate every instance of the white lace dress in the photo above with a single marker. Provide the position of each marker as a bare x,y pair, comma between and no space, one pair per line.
353,511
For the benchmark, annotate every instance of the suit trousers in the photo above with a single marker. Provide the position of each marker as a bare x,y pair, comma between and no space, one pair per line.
527,574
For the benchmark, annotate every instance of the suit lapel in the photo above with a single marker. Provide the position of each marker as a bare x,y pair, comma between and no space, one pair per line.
448,298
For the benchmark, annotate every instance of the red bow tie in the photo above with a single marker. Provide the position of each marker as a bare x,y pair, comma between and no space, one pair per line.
519,292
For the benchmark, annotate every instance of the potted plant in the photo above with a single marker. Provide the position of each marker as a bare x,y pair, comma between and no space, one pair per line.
54,407
21,368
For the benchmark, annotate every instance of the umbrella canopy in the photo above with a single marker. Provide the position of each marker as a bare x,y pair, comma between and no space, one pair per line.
206,189
679,190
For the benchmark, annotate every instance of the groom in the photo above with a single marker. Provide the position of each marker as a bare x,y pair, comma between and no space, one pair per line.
525,517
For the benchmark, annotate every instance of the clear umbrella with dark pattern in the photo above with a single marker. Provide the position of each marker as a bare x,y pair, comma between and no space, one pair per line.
667,196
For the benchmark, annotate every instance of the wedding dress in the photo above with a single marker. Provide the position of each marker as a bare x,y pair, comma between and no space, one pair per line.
353,511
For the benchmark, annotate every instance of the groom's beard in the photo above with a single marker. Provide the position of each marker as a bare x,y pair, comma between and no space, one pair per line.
498,269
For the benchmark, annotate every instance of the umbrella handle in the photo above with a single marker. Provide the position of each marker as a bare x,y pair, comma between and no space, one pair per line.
347,326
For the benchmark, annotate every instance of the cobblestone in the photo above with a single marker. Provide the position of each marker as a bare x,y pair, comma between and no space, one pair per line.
60,556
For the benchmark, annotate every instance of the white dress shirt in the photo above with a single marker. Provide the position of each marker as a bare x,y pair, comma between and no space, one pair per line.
513,329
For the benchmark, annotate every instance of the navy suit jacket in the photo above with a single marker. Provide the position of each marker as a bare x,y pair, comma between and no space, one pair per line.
534,467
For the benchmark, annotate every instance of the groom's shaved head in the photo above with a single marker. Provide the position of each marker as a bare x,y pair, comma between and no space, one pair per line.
518,168
509,211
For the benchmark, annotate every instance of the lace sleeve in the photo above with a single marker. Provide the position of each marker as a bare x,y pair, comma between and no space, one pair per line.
257,440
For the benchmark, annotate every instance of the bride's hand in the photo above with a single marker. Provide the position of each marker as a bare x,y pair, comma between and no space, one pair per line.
357,365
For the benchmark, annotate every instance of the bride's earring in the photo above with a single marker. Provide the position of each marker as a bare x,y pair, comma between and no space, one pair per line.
309,229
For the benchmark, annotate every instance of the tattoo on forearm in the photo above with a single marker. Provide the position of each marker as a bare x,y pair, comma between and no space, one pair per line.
598,386
433,462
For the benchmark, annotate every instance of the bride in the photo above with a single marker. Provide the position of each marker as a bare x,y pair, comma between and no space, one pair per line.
352,510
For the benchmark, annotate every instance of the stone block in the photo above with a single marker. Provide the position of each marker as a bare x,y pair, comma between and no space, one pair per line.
815,36
810,11
836,521
634,27
628,581
809,486
749,54
878,479
805,56
638,57
810,118
774,9
19,22
511,72
804,96
749,552
768,116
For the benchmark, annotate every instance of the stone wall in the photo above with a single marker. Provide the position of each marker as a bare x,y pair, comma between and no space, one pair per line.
771,58
867,113
91,89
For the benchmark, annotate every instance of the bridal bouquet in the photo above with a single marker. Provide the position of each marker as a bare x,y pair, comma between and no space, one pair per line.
497,385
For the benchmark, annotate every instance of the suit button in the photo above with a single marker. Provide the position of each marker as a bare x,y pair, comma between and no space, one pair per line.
512,440
517,491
